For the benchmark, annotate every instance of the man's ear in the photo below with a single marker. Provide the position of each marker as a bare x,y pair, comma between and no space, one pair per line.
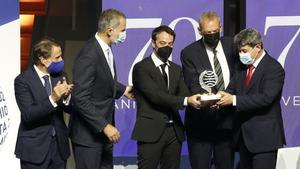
199,30
43,61
109,32
153,43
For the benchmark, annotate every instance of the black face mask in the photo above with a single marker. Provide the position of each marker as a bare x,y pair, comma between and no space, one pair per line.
212,39
164,53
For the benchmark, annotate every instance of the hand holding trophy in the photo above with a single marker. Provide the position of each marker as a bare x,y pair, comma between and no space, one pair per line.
208,79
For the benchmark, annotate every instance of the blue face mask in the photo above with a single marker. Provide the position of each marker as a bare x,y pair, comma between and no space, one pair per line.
121,38
246,58
56,67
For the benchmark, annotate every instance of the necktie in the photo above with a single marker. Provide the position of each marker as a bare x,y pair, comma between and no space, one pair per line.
110,59
249,75
47,84
165,76
218,70
48,90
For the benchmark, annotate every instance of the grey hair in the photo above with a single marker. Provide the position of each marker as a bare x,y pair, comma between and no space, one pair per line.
208,16
249,37
109,19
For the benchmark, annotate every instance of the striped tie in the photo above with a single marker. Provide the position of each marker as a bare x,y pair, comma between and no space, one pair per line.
218,70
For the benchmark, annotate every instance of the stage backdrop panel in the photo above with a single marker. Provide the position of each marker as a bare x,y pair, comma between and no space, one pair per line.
142,17
279,23
9,69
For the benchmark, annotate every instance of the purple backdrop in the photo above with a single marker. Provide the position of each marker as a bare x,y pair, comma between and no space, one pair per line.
279,21
142,17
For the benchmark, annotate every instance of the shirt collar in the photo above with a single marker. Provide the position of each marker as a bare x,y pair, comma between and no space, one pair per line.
103,45
255,64
39,72
157,61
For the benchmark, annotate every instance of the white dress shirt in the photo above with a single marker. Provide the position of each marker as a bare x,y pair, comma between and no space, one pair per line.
222,60
106,49
158,63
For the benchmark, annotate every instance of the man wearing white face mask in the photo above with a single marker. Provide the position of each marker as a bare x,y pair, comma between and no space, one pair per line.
92,128
255,91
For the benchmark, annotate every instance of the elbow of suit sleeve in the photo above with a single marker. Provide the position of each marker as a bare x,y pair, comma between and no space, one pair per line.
120,90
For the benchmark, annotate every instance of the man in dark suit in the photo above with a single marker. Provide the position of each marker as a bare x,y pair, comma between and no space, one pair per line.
209,129
160,91
92,128
255,92
42,141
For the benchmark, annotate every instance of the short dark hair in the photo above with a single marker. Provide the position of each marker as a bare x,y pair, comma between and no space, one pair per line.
249,37
44,48
109,18
162,28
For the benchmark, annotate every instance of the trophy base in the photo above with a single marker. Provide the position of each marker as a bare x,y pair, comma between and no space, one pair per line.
211,98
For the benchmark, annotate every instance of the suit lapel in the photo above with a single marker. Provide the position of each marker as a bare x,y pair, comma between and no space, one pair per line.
37,84
257,74
157,74
204,61
103,61
227,49
172,79
243,76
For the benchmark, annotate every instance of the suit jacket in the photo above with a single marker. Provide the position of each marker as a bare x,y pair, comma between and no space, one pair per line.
155,101
38,117
94,94
258,111
202,123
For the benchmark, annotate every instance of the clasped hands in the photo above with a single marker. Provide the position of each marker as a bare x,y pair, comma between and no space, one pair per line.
61,90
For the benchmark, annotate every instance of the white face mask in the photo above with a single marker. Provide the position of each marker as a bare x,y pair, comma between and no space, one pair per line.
121,38
246,58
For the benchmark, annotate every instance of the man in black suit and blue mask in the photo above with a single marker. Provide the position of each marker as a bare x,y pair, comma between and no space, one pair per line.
209,129
160,92
42,95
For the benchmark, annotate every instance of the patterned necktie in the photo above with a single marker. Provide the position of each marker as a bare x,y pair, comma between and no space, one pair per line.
218,70
47,84
249,75
165,76
111,62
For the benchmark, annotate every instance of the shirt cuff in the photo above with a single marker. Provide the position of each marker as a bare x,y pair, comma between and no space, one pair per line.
234,100
52,101
67,100
185,103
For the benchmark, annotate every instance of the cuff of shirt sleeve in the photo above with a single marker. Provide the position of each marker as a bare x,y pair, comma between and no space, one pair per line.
52,101
185,102
67,100
234,100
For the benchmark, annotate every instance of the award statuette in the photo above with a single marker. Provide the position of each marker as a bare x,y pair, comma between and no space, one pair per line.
208,79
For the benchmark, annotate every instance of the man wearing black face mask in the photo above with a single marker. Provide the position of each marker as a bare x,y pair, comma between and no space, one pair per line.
160,92
209,130
42,138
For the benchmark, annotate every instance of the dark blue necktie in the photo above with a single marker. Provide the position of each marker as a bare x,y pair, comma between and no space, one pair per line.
48,90
47,84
